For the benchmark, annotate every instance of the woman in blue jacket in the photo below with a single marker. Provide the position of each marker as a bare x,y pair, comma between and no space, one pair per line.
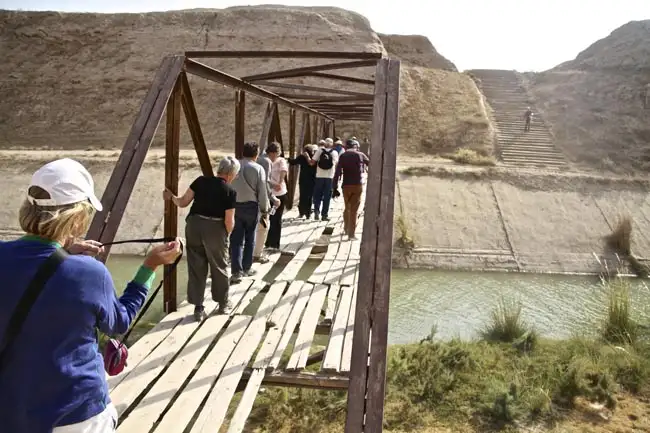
52,376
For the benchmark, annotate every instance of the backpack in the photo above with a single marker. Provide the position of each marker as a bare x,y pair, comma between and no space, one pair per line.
325,161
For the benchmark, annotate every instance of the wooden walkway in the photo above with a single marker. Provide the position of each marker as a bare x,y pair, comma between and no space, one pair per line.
180,363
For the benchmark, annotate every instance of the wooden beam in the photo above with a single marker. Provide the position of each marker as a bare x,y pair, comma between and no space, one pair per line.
293,169
381,294
240,122
357,389
118,190
242,54
303,379
276,128
172,154
324,98
296,72
194,127
212,74
341,78
266,126
308,88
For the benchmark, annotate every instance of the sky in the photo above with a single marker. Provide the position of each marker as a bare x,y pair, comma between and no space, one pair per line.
487,34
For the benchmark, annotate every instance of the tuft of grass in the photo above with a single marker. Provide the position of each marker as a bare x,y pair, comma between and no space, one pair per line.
404,238
471,157
506,324
619,327
620,240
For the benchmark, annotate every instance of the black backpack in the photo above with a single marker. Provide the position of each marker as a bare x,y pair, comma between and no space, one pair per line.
325,160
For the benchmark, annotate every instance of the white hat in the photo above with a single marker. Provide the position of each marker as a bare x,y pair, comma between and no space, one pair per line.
322,142
329,140
338,142
67,182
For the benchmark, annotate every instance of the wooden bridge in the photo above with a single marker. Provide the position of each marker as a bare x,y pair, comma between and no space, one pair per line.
182,375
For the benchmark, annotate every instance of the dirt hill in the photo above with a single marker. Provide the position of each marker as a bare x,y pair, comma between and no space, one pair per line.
415,50
77,80
594,103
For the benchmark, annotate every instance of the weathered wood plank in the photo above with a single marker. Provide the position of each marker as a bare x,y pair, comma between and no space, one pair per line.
380,303
158,397
291,270
292,321
346,356
255,288
331,302
305,336
182,411
216,406
246,403
334,350
194,126
148,371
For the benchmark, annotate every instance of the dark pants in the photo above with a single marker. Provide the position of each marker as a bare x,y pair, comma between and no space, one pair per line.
527,127
306,197
242,238
207,248
322,192
275,225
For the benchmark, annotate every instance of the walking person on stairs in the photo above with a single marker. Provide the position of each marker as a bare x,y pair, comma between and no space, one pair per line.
528,116
252,200
351,165
207,230
325,160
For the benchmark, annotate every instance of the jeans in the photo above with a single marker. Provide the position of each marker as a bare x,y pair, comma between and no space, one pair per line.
322,192
247,216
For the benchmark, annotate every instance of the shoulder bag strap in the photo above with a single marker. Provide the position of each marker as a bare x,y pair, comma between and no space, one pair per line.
15,324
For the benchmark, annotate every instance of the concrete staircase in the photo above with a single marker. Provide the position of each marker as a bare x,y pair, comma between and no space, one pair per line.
508,99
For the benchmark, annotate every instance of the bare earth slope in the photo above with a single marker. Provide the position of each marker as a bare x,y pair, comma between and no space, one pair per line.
594,103
416,50
76,81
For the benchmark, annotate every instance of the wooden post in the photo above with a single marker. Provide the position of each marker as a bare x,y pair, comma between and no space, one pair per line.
293,169
195,127
240,122
172,150
120,186
276,128
367,380
314,130
266,127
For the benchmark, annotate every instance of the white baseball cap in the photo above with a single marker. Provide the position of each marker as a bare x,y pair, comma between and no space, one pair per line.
67,182
329,140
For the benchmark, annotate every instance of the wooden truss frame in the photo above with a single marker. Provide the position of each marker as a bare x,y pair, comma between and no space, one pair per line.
170,91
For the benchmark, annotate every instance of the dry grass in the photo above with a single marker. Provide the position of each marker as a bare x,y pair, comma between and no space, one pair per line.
620,240
471,157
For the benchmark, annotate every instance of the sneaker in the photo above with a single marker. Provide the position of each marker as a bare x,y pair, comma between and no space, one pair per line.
236,278
199,313
316,216
262,259
250,272
352,238
325,218
225,309
271,250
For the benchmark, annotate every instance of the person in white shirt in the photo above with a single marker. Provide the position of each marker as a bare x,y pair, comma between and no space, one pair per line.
325,160
278,182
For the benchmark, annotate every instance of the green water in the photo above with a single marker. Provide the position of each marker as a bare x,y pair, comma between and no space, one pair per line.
459,303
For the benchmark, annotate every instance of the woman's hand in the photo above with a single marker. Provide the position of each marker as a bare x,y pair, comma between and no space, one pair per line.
85,247
164,254
167,194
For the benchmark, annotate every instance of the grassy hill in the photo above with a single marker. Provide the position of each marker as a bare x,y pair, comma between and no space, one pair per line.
594,102
76,81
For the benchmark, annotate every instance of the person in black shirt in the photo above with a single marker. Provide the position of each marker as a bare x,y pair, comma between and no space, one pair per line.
208,226
306,180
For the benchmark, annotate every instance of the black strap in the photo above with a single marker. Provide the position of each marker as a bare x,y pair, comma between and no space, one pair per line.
43,274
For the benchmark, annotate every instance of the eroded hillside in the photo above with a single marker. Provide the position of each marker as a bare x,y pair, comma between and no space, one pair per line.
594,103
77,80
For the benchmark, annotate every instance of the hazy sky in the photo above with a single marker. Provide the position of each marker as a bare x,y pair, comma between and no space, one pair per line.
504,34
